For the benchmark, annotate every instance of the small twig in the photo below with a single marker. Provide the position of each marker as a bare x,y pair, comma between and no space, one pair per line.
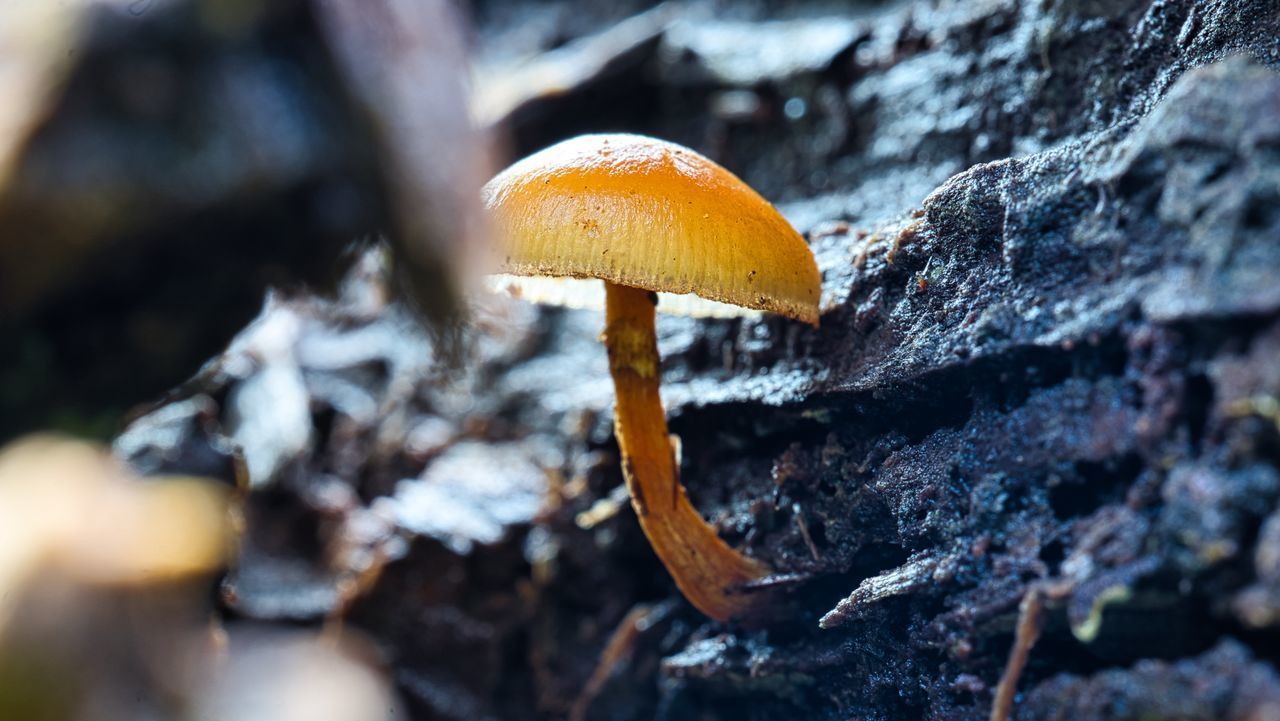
1028,631
615,652
1030,612
803,525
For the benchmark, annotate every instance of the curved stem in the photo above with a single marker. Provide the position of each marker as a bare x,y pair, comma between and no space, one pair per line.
707,571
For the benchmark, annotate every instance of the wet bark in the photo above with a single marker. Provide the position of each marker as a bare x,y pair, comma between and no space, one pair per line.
1049,234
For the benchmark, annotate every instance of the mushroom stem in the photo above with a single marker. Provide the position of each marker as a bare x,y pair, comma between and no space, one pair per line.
708,572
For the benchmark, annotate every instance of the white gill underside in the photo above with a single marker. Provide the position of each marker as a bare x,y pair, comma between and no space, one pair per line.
588,293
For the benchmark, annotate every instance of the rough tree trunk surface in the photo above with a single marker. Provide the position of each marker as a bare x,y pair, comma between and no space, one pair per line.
1050,238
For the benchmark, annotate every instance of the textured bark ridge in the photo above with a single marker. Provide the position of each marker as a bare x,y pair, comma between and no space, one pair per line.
1050,239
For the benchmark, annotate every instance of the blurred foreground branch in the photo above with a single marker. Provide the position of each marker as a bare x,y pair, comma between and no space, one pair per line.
161,165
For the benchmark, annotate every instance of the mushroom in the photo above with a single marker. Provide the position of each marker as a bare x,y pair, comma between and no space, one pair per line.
648,216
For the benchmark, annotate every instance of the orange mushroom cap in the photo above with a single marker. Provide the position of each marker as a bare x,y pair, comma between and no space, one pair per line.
650,214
